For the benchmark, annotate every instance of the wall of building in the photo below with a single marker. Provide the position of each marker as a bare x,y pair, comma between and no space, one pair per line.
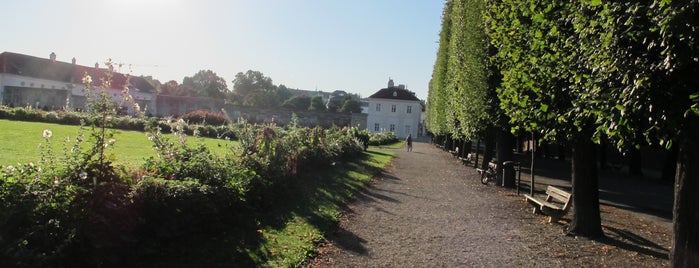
404,123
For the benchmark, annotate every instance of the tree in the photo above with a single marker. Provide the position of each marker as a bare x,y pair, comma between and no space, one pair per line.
248,82
646,67
206,83
351,105
437,95
317,104
170,88
298,103
539,56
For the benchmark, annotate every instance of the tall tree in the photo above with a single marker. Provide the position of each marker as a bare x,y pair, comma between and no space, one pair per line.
646,68
317,104
298,103
206,83
437,95
537,53
351,105
249,82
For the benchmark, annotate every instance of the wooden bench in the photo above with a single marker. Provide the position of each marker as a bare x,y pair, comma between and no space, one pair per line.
556,204
455,152
468,159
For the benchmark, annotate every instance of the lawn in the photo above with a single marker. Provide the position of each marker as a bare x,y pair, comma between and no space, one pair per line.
19,143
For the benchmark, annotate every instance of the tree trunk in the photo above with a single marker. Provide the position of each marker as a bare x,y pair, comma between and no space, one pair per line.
475,160
504,153
670,165
586,215
489,146
561,152
603,164
685,235
635,162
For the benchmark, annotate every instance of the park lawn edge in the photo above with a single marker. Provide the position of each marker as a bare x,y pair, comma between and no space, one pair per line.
313,208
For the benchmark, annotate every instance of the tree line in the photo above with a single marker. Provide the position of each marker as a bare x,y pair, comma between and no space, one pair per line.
253,88
576,73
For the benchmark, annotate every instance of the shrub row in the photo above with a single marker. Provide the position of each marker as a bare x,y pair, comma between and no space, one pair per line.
382,138
203,123
84,211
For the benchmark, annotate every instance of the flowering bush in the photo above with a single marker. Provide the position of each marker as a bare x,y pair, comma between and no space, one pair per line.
382,138
205,117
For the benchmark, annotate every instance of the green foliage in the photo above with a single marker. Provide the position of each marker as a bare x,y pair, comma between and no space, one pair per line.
298,103
205,117
206,83
382,138
317,104
351,106
438,95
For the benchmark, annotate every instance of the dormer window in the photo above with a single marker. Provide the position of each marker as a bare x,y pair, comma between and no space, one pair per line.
395,93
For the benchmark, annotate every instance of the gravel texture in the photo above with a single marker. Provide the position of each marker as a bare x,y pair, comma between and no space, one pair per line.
427,210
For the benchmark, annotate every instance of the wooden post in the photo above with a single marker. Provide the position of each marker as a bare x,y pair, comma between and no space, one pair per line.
531,168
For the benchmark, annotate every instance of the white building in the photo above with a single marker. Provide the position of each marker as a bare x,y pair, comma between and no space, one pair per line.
394,109
45,83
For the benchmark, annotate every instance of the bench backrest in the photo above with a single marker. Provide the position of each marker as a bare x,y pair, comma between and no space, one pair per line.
560,196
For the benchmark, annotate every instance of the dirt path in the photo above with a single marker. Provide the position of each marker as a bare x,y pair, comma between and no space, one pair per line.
429,211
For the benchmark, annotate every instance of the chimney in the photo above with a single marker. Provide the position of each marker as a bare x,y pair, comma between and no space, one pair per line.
73,60
52,56
97,65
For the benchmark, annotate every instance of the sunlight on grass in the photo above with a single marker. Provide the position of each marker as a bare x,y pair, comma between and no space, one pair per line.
19,143
315,207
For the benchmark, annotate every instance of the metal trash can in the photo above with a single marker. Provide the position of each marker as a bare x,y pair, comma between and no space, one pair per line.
509,176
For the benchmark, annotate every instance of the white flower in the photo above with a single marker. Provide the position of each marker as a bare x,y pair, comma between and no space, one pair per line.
83,175
47,133
87,79
11,169
55,181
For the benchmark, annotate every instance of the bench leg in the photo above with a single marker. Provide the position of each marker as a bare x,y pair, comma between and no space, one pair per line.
555,217
536,210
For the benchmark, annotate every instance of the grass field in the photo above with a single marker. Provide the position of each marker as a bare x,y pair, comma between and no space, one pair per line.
19,143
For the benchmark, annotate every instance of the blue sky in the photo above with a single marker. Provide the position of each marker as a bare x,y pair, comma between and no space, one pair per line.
352,45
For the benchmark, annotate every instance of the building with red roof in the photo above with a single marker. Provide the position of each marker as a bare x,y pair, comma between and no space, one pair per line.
50,84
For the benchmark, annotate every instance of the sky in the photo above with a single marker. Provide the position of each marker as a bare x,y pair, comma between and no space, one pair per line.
327,45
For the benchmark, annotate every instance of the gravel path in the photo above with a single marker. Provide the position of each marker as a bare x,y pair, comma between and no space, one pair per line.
427,211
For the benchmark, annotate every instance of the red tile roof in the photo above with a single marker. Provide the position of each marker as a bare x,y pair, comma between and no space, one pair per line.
44,68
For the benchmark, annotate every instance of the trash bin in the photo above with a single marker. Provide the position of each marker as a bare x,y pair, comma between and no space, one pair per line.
508,175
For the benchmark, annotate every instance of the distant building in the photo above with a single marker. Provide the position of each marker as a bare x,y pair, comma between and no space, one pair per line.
45,83
395,109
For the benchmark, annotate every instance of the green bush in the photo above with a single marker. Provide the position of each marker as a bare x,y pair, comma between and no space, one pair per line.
205,117
382,138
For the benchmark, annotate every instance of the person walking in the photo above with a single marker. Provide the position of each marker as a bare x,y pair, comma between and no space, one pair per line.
409,140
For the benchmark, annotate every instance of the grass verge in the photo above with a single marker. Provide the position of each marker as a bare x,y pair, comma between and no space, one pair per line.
291,231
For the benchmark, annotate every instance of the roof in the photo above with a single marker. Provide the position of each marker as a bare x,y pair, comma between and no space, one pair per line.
25,65
394,93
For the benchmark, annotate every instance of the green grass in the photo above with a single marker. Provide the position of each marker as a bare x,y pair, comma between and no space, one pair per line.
395,145
291,231
19,143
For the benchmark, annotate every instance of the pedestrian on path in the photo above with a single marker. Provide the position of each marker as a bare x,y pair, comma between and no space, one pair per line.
409,140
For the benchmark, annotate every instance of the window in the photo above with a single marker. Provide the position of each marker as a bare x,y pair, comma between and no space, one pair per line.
376,127
378,107
393,128
407,130
393,108
410,109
